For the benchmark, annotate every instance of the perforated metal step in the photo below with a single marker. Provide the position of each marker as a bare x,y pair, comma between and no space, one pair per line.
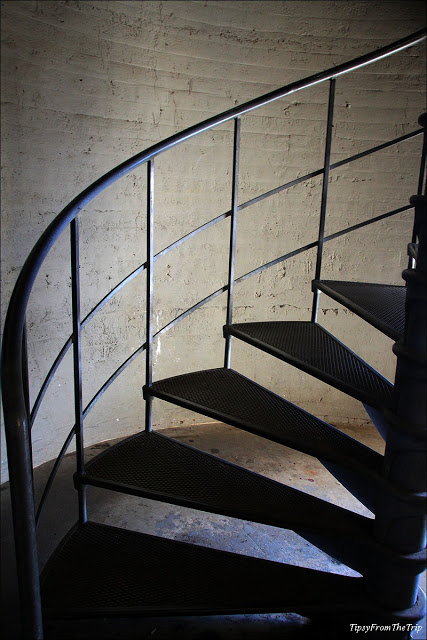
311,348
101,571
382,305
155,466
230,397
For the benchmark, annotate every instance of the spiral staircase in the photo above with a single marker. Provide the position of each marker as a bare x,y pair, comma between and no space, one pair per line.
98,571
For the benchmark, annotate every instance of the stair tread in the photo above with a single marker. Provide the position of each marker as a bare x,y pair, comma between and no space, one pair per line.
155,466
230,397
382,305
310,347
103,570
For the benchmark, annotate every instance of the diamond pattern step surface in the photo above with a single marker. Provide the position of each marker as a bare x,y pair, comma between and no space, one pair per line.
230,397
101,571
152,465
311,348
382,305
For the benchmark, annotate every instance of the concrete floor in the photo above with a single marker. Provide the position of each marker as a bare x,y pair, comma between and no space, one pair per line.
188,525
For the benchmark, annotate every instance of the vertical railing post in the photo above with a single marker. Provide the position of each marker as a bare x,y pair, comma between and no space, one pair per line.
24,527
233,227
25,380
77,361
26,389
423,122
18,439
326,167
149,294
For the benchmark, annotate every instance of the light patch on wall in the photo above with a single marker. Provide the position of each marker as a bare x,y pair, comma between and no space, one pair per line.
158,344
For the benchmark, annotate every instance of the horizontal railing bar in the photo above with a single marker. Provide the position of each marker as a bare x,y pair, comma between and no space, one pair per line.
335,165
112,378
13,394
14,321
206,225
282,187
112,293
143,266
379,147
92,191
342,232
192,233
267,98
68,213
53,473
267,265
383,216
140,349
225,287
67,345
48,379
105,299
190,310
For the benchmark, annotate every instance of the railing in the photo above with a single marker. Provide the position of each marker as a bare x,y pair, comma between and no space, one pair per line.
18,416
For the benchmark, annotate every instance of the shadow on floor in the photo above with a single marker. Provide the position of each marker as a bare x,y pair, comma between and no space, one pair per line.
188,525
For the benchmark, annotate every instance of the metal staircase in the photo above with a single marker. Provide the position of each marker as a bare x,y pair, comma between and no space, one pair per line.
99,571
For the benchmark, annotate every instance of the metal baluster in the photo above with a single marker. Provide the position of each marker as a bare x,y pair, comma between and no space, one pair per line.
326,168
22,499
25,382
233,226
422,120
421,175
149,295
26,388
78,400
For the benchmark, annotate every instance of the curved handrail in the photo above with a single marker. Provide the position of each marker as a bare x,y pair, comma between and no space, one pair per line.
210,223
197,305
17,420
32,265
78,203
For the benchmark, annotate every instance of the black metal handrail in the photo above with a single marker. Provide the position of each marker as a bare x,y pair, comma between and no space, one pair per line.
212,222
18,419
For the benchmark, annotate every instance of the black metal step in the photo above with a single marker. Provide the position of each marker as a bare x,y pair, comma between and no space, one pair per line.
382,305
309,347
154,466
104,571
229,397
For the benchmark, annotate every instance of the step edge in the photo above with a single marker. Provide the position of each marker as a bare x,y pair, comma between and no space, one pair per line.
314,371
53,613
355,308
182,502
240,424
358,520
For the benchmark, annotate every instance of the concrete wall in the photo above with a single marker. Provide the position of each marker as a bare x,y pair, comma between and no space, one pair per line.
87,84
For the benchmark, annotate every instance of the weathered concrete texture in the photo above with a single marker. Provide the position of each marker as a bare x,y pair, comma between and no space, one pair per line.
87,84
188,525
